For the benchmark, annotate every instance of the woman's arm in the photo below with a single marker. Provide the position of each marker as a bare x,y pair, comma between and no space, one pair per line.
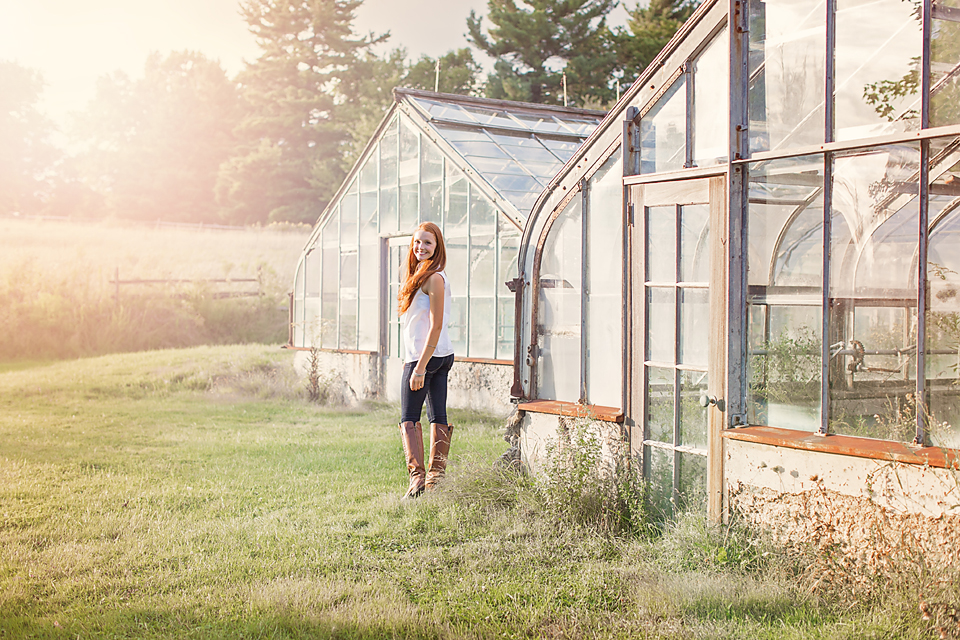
433,287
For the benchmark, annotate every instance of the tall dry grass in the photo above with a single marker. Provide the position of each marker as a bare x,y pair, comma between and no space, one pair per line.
57,299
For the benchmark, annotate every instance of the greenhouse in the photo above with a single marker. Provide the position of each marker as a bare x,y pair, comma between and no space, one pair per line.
749,274
474,167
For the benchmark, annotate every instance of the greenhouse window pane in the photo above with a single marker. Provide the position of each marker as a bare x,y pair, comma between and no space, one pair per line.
945,68
873,293
604,310
660,404
409,207
482,327
787,73
660,477
693,417
662,244
663,131
558,364
943,283
694,310
692,492
455,211
409,159
368,174
457,329
711,109
785,274
482,265
661,324
349,216
879,44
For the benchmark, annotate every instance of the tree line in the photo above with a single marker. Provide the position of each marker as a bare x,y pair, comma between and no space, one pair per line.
187,142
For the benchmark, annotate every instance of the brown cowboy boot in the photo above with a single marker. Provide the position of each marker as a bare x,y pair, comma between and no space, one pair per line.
412,436
440,435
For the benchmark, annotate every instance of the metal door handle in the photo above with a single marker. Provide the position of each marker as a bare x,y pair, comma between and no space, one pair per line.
706,401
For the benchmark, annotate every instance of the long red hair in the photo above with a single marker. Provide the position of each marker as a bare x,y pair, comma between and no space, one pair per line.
416,272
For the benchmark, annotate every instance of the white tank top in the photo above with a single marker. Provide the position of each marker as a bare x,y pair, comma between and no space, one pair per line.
416,324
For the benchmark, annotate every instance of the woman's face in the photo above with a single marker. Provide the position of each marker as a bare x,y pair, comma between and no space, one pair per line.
424,244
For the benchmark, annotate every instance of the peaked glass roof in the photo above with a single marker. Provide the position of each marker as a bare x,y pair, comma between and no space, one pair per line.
518,150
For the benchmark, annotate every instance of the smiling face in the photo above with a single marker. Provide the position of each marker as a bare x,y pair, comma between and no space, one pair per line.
424,245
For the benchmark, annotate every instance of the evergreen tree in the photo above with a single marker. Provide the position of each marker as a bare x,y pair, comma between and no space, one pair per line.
25,155
294,130
649,28
367,88
536,41
154,145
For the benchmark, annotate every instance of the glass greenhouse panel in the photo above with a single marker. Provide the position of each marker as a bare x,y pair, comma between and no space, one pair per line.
661,244
348,300
785,293
457,204
943,302
350,216
945,64
508,237
431,183
389,176
711,116
457,329
879,46
604,312
787,66
330,290
692,489
483,322
660,478
693,417
873,293
693,338
369,180
483,257
663,131
659,399
369,294
409,177
298,303
558,364
695,243
661,324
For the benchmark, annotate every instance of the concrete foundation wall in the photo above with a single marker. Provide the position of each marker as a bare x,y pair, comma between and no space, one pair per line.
865,507
540,432
355,377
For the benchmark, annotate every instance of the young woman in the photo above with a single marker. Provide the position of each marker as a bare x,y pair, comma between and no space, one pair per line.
424,307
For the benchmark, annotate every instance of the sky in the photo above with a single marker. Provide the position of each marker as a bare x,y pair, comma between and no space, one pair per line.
74,42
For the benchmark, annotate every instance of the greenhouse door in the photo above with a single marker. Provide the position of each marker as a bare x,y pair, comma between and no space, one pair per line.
392,338
678,340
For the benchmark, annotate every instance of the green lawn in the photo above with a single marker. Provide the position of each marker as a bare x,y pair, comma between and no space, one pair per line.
194,494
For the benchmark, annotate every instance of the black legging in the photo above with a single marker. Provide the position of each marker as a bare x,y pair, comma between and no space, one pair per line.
434,391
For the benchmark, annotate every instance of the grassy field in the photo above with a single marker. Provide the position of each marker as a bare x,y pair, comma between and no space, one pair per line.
57,301
144,252
194,494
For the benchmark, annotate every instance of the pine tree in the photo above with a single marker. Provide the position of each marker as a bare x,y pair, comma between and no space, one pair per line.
294,131
536,41
649,28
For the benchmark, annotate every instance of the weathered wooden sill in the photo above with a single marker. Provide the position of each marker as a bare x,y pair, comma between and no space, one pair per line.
573,409
848,446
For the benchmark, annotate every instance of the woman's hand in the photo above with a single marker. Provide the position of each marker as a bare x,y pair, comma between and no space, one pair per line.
416,380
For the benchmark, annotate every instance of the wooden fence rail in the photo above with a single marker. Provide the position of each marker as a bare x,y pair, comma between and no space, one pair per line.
117,283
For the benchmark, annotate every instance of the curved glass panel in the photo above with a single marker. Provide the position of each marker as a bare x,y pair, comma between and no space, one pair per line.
329,290
559,315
